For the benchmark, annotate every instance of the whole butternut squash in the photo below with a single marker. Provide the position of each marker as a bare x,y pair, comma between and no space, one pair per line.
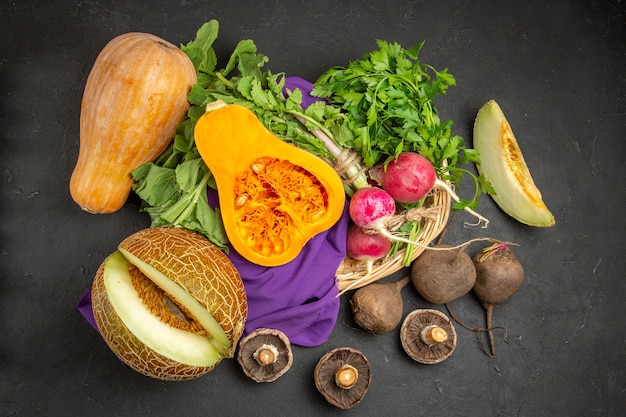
135,96
274,196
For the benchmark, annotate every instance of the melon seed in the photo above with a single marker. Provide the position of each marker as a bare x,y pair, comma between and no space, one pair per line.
161,304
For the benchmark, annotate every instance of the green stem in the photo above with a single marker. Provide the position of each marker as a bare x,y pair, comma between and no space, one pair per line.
441,184
408,253
201,187
224,81
301,116
359,179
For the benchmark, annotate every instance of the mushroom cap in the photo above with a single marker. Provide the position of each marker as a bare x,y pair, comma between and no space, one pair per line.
414,345
325,377
259,339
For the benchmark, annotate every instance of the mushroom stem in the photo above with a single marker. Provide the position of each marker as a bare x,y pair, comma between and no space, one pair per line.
265,354
346,376
433,335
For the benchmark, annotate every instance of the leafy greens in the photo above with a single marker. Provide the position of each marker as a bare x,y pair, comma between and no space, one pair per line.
388,99
173,188
377,107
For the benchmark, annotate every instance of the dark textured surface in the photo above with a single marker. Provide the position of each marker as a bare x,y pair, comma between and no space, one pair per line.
556,68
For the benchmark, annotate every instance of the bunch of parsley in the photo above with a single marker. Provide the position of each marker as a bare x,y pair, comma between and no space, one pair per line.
388,99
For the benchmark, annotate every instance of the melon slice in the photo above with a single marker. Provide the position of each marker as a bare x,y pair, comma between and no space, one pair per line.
503,165
179,345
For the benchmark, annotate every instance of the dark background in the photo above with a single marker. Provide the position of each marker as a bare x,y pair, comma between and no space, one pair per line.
557,69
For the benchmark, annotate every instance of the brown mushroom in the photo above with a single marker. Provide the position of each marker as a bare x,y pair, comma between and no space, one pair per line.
343,377
265,354
428,336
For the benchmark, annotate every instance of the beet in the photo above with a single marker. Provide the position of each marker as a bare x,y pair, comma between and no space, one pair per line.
443,273
499,275
378,307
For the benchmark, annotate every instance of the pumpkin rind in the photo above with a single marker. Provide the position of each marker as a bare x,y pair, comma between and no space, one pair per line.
195,264
134,97
274,197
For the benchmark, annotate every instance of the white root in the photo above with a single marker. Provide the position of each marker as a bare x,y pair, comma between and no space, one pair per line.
442,184
391,236
358,281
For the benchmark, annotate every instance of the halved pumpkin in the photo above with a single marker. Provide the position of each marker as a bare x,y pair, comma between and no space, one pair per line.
273,196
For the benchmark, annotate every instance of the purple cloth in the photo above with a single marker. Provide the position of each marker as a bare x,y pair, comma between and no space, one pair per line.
298,298
84,306
305,87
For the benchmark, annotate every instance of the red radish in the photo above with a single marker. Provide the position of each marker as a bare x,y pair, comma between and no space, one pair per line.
410,177
374,209
364,245
370,207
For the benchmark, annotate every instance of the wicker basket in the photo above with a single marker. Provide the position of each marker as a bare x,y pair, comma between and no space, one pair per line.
353,274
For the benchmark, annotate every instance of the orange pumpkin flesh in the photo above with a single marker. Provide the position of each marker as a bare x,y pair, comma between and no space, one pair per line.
135,96
274,197
190,263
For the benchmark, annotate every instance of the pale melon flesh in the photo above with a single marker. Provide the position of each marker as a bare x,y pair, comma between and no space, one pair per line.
179,345
503,165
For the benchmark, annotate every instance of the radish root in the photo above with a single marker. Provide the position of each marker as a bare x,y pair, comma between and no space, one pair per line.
442,184
354,284
383,231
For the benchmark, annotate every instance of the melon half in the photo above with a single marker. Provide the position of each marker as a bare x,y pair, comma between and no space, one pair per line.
169,303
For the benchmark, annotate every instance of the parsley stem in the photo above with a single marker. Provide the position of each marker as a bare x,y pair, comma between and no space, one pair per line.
321,133
354,172
303,118
410,249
